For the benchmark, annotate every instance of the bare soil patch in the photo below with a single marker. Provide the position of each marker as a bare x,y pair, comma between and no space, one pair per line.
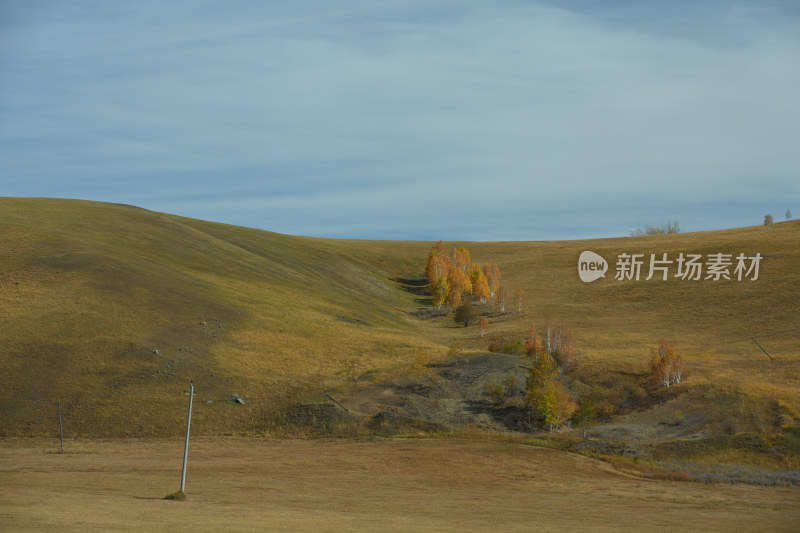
451,393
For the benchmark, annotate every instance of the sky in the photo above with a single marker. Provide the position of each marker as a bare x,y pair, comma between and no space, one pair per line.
410,119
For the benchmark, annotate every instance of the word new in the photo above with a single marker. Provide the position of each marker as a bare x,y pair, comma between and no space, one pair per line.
715,267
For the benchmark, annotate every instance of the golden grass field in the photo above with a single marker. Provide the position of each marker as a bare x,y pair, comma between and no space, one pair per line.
245,484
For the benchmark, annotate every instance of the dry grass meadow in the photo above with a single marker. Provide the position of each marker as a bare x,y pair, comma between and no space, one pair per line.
108,306
112,310
241,484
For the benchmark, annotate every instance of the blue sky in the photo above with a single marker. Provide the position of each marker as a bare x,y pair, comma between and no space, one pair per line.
460,120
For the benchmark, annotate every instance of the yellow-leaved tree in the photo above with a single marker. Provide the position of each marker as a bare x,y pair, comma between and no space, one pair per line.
483,323
480,286
666,364
461,258
452,276
458,285
437,270
556,404
492,273
545,392
502,298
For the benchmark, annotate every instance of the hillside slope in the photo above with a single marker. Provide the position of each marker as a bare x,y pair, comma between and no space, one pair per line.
117,307
112,309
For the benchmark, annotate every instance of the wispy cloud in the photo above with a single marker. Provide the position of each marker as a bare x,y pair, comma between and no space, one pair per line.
406,119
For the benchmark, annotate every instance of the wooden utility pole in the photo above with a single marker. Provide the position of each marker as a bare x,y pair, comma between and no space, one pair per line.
186,447
60,427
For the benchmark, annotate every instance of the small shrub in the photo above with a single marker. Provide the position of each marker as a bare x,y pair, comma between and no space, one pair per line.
496,392
586,413
633,395
603,401
513,348
507,347
465,314
512,384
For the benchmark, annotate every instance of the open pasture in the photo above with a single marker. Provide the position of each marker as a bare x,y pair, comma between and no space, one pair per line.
244,484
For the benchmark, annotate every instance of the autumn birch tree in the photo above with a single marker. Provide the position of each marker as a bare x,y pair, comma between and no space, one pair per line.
459,284
461,258
533,344
519,298
556,404
492,273
480,287
502,297
437,270
666,364
483,323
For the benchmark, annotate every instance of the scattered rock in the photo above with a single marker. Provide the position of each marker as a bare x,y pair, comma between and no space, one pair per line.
238,399
155,352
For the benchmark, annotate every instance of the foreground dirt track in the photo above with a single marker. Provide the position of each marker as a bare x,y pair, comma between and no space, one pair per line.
236,484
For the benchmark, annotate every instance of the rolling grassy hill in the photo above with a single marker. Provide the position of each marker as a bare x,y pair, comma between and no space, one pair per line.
114,306
112,309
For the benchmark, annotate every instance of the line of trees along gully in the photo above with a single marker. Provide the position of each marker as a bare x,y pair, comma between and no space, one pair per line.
461,285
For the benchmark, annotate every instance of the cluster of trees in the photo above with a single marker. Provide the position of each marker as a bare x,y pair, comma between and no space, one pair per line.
769,219
552,350
548,394
557,341
553,354
502,299
666,364
667,228
452,276
456,281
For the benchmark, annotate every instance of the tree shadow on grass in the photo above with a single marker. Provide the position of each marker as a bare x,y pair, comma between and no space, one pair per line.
418,287
513,418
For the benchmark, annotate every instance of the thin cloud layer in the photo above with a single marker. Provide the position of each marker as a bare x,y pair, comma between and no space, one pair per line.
458,120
